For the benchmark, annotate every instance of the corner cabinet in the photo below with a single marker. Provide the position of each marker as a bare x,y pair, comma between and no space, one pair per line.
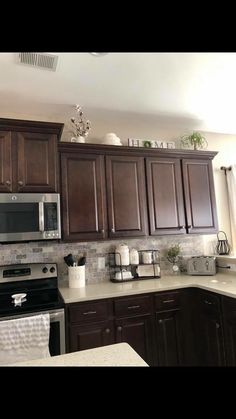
29,156
112,192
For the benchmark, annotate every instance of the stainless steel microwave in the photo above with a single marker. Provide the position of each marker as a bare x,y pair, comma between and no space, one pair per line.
29,216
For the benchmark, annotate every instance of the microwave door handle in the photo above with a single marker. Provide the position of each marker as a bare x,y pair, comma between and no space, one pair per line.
41,217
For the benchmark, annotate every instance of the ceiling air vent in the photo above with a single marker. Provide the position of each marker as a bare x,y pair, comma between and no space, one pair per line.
39,60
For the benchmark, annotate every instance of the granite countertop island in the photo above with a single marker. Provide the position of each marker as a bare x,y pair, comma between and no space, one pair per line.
118,355
221,283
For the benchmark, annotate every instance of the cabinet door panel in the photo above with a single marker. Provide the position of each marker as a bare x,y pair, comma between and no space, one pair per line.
37,162
5,162
199,196
90,336
229,316
82,196
169,339
165,196
126,196
137,332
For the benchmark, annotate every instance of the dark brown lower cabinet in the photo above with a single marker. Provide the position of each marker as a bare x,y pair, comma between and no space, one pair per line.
209,329
137,332
229,316
91,336
169,338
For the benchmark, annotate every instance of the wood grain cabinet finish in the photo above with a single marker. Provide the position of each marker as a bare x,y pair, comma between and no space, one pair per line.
91,335
199,196
229,318
5,162
126,197
29,156
37,162
165,196
82,179
209,328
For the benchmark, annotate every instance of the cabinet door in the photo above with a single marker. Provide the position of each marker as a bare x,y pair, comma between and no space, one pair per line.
165,196
211,340
82,191
90,336
169,339
229,316
5,162
126,196
200,196
137,332
37,162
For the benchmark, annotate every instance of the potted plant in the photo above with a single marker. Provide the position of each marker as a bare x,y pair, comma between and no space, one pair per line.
196,139
172,255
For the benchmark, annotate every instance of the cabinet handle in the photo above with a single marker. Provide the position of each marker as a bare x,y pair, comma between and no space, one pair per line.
182,227
89,312
133,307
107,330
190,226
8,182
160,321
102,231
168,301
217,326
119,328
113,230
20,182
207,302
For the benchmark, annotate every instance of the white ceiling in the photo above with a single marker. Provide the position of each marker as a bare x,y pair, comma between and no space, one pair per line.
199,86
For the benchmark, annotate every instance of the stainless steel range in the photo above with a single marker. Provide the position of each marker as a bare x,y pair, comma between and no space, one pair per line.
30,289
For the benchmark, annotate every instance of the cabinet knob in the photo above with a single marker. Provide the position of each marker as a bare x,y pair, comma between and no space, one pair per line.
217,326
182,227
113,230
102,231
190,226
8,182
107,330
20,182
160,321
119,328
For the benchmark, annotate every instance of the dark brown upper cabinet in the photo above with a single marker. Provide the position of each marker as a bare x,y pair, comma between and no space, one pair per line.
165,196
199,196
82,180
5,162
126,197
29,156
106,191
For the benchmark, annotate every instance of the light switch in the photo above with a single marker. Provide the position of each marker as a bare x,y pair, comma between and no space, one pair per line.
101,263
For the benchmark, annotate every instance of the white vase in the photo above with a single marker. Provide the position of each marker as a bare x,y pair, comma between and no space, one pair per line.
79,139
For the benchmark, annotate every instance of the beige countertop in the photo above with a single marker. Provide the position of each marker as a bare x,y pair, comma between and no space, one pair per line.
221,283
118,355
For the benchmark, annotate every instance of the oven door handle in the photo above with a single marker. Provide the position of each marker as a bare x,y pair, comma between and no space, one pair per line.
56,316
41,217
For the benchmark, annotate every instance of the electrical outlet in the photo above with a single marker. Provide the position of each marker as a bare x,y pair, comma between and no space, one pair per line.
101,263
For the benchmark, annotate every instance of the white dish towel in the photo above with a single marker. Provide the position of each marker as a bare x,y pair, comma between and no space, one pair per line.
24,339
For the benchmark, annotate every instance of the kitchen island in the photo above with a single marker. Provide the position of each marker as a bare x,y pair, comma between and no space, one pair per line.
118,355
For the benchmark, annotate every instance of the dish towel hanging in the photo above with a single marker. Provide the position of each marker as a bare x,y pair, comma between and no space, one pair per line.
24,339
231,182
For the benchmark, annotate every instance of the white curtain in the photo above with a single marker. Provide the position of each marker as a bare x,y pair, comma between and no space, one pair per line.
231,183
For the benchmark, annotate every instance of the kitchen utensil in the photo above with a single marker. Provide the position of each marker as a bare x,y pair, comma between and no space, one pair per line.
82,261
223,247
69,260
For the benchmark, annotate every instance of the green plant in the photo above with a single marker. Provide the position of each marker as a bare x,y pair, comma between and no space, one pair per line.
147,143
173,253
196,139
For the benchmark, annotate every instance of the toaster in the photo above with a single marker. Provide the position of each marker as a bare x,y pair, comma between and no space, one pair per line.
201,265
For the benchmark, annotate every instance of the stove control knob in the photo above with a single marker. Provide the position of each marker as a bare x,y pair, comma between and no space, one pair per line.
52,269
45,269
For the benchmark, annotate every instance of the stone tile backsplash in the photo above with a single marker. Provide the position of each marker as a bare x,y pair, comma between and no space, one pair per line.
55,252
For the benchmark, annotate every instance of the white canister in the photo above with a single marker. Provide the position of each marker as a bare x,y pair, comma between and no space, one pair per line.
122,255
147,257
134,257
76,275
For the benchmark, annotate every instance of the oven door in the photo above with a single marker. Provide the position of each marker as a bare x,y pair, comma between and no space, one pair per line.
57,329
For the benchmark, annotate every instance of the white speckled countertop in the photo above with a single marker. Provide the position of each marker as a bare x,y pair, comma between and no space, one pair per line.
221,283
118,355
